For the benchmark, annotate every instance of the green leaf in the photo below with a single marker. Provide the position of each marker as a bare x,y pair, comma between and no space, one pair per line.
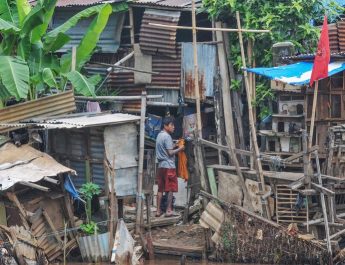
48,77
95,79
38,32
24,9
81,84
5,11
4,94
8,27
60,40
91,37
14,74
24,47
32,20
50,36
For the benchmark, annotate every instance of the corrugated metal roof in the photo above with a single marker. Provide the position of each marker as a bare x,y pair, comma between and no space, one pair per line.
77,121
154,40
26,164
88,120
58,104
65,3
180,4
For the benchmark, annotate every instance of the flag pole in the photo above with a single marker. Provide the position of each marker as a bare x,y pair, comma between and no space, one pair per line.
313,112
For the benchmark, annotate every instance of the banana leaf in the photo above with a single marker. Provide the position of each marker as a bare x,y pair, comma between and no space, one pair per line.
82,85
24,9
8,27
91,37
5,11
48,77
14,74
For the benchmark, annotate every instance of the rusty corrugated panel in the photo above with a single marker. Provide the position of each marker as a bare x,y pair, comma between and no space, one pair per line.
135,105
169,70
178,4
58,104
341,35
154,40
121,79
333,37
207,66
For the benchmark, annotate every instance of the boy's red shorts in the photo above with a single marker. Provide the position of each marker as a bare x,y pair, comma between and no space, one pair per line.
167,180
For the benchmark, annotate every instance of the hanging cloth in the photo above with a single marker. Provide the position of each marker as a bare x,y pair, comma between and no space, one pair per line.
182,169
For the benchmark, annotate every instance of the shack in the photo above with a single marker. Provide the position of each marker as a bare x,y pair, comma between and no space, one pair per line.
34,204
86,142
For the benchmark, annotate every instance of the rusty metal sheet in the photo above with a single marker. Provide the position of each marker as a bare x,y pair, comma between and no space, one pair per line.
169,70
58,104
207,66
177,4
341,35
120,79
333,37
154,40
26,164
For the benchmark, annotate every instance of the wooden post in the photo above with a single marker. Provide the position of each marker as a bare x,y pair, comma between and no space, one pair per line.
196,73
141,163
74,58
312,121
323,204
131,23
251,120
225,88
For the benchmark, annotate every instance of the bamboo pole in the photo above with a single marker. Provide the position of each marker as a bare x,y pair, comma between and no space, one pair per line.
131,23
312,121
209,29
198,148
251,119
141,163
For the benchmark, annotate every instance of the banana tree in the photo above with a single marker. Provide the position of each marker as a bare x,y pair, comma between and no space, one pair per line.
28,64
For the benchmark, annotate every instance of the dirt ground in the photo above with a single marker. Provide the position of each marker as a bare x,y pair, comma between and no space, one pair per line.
191,235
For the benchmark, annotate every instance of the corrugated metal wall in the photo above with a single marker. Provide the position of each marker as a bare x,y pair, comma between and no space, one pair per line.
110,38
74,146
207,69
154,40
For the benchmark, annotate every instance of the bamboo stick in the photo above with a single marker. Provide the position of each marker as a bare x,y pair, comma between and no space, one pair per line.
210,29
312,122
141,163
251,119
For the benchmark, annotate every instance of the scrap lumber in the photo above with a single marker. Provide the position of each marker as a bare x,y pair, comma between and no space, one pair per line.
35,186
161,248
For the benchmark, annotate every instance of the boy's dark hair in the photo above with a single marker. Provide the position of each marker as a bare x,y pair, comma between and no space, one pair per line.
168,120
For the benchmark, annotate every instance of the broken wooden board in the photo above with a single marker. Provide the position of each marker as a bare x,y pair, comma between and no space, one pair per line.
190,251
253,190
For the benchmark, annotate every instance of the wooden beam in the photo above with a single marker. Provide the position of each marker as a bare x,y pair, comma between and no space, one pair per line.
34,186
313,113
51,180
52,227
300,154
140,164
158,25
322,189
266,207
225,88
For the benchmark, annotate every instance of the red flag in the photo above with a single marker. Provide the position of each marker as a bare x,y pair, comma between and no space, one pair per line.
322,57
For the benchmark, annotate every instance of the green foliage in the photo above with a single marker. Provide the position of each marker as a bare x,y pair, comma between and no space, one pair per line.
286,20
90,228
28,66
89,189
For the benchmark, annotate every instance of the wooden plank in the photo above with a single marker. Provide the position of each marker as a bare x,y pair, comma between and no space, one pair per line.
35,186
139,207
52,227
212,181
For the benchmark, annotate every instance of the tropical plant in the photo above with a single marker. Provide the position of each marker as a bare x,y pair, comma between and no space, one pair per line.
287,21
28,65
88,191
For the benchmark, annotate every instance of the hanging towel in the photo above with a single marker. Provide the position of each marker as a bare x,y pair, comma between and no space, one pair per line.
182,170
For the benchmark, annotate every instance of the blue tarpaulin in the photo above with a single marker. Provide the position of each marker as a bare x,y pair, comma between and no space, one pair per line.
295,74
